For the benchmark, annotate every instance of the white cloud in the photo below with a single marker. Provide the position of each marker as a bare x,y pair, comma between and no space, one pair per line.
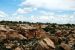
23,11
46,13
3,14
51,4
60,19
37,15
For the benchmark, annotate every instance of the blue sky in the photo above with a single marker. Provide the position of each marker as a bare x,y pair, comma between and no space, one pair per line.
9,6
53,11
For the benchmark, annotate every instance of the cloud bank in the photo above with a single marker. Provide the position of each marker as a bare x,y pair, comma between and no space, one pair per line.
53,11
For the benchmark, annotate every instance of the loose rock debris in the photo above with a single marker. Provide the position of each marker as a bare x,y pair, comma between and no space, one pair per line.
22,38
